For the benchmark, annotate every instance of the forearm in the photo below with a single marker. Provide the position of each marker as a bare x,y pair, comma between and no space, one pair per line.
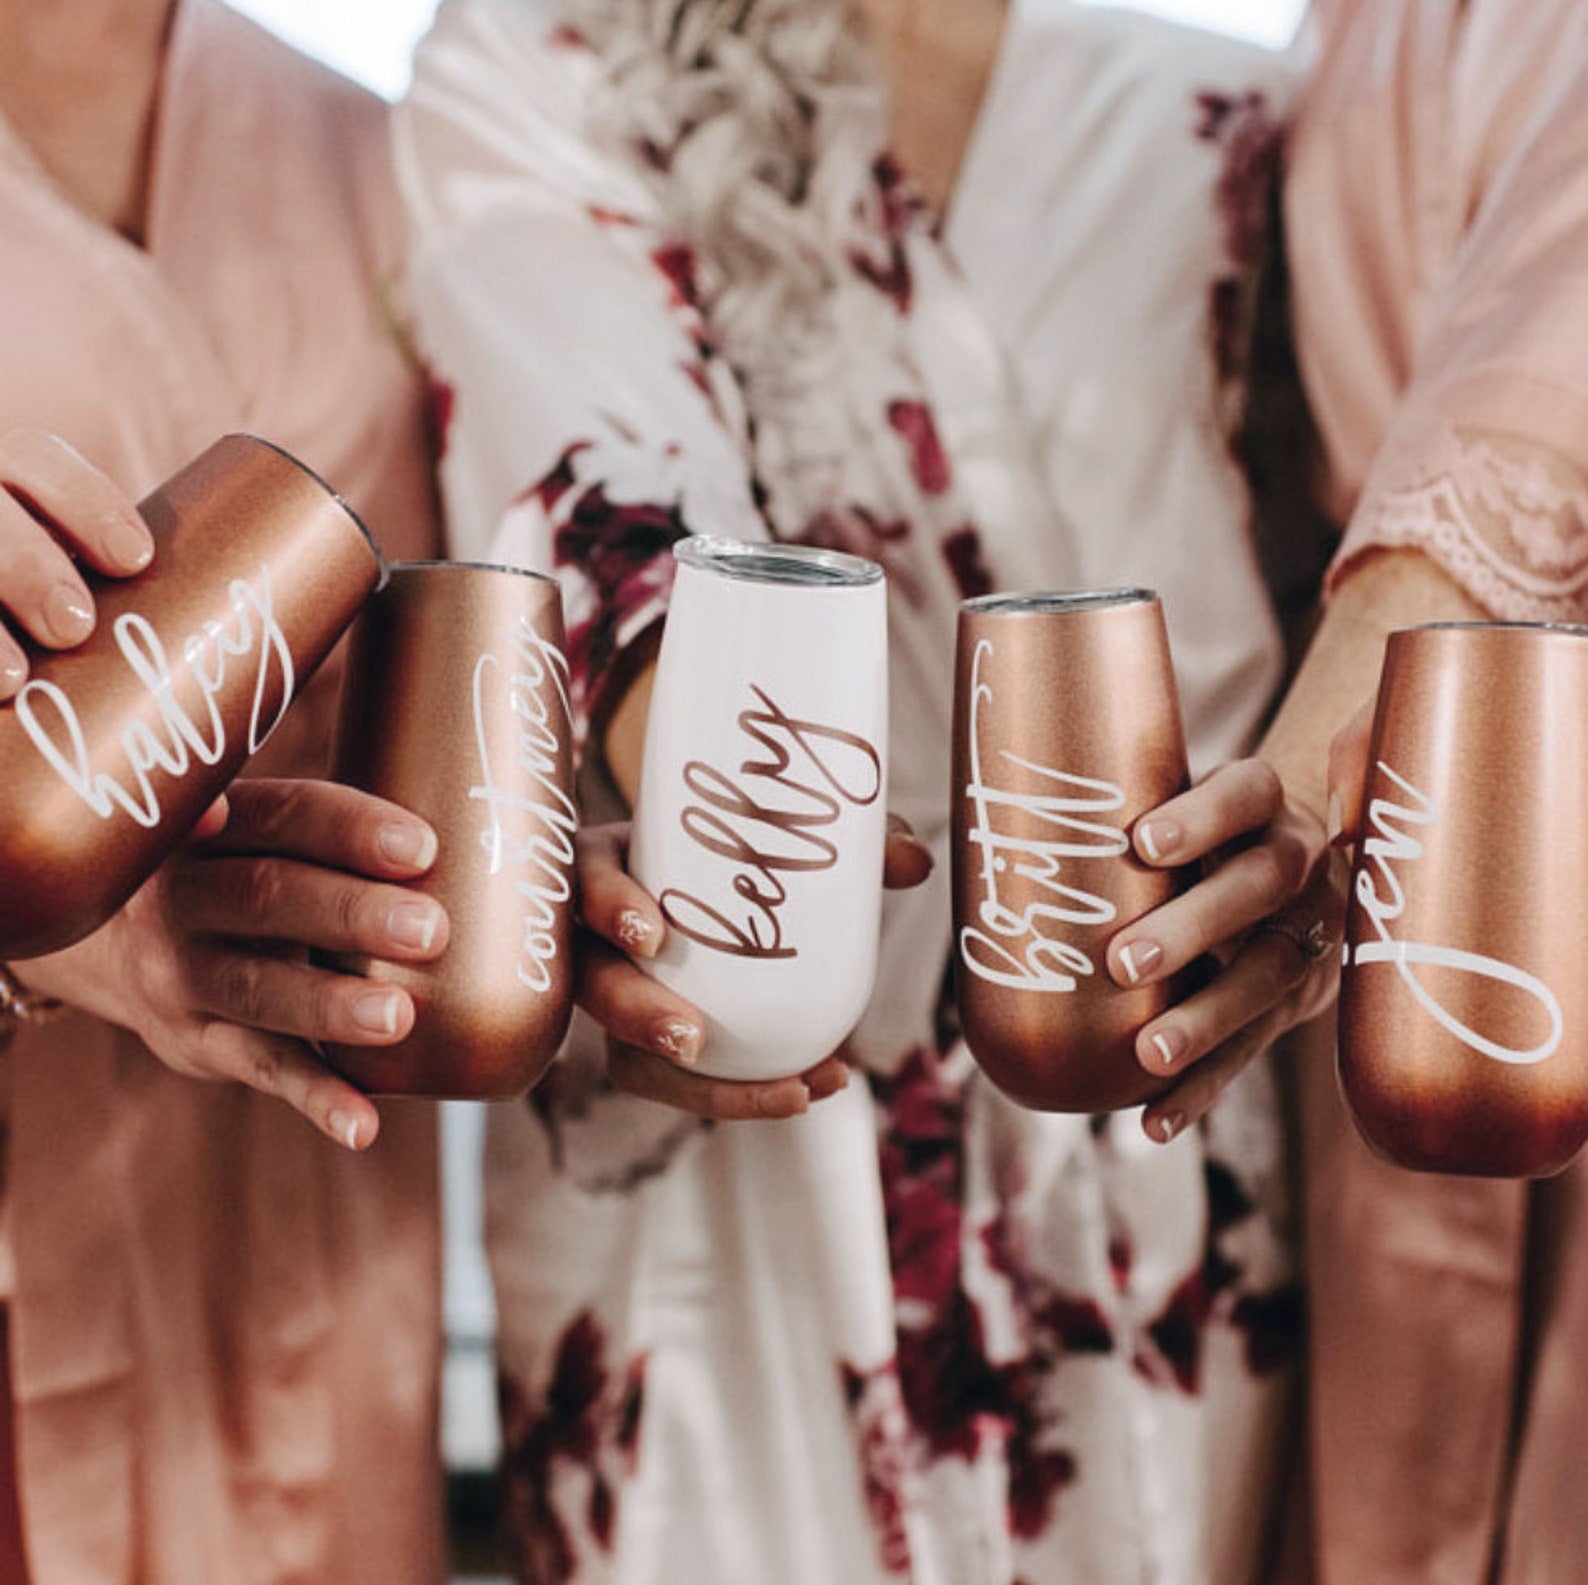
1388,590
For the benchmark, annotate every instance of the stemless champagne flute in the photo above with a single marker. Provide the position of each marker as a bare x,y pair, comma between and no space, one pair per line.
761,815
456,708
1464,1003
1066,730
112,751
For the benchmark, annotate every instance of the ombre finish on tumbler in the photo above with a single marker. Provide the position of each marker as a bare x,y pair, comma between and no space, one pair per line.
111,752
1066,730
762,809
1464,1002
457,709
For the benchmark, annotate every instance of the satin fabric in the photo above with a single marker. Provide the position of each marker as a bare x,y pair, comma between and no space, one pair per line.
919,1334
224,1331
1437,209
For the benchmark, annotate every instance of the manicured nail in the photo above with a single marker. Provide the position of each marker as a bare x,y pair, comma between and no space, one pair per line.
1169,1125
1335,819
376,1012
414,925
345,1128
13,668
679,1039
406,843
1140,958
68,614
636,934
1160,839
839,1080
129,542
1170,1044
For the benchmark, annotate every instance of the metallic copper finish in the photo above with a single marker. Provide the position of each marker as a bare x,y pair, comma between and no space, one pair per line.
112,751
1066,730
1464,1003
457,708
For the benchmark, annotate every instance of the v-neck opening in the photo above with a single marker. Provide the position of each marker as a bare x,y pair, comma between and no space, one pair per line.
27,157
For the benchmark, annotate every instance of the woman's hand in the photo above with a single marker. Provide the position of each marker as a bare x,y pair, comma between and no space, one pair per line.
55,506
208,963
1269,909
655,1035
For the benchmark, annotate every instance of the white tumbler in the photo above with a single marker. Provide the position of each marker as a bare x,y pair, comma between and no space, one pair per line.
762,809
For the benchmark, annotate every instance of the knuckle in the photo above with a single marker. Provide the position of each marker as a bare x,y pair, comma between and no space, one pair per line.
265,810
353,910
1267,874
1266,790
264,1070
259,889
239,988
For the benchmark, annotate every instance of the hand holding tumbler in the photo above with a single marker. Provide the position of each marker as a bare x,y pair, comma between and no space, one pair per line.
456,708
1464,1001
111,752
761,816
1066,731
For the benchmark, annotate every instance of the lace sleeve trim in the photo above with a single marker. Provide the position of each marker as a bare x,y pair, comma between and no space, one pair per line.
1506,518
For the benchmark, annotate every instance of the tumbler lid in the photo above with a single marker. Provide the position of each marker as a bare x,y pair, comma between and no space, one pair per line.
776,563
438,565
1057,600
1577,629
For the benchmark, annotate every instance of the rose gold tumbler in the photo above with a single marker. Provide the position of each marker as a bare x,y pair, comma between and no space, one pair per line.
112,751
1066,730
1464,1003
457,708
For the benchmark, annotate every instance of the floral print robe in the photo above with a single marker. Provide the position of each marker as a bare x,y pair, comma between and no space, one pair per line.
919,1334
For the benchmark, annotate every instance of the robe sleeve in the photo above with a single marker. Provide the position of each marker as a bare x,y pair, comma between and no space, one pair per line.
1486,467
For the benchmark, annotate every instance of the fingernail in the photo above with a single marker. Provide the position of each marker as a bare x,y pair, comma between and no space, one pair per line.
13,669
637,934
345,1128
129,542
68,614
1169,1125
1140,958
679,1039
1160,838
414,925
1171,1045
377,1012
409,844
829,1086
1335,819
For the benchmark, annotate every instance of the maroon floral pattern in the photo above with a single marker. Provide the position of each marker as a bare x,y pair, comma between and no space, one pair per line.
616,553
957,1396
928,460
1250,139
441,399
884,260
887,1457
564,1456
967,562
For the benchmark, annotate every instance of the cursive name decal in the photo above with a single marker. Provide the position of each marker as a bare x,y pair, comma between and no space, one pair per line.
178,739
769,823
1018,947
540,849
1383,900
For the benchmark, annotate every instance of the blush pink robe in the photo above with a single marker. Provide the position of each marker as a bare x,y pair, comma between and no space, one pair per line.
224,1330
1437,215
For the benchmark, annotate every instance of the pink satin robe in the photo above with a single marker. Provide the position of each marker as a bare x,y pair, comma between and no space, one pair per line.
1437,218
225,1331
